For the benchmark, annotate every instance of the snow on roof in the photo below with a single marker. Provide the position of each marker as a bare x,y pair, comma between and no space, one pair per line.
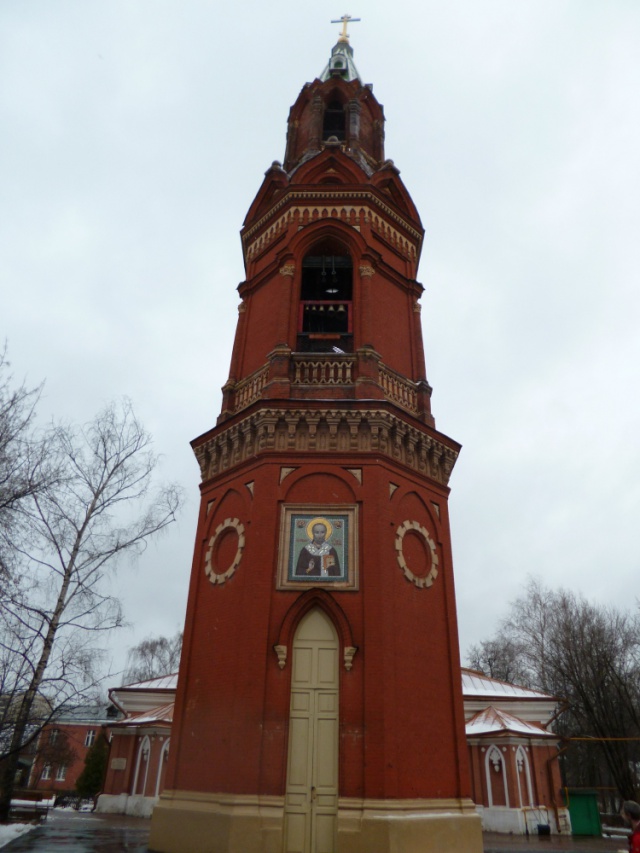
492,721
86,714
161,714
145,704
475,684
164,682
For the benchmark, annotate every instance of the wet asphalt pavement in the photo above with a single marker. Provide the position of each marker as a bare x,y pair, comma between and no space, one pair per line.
495,843
79,832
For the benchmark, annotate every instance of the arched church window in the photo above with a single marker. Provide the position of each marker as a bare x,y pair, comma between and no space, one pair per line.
525,792
334,123
142,766
325,320
496,776
162,767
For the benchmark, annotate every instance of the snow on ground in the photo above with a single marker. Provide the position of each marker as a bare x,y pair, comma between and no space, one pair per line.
10,831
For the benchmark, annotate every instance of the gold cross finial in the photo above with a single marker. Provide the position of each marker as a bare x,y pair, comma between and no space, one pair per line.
344,20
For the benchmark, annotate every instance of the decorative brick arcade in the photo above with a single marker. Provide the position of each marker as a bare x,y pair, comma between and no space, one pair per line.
319,706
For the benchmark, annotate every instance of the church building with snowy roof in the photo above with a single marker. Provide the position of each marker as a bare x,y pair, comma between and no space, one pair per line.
516,783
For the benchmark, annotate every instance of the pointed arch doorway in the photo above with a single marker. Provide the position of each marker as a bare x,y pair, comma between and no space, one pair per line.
311,803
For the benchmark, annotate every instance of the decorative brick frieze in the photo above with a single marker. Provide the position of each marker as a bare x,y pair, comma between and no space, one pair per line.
354,208
324,195
326,430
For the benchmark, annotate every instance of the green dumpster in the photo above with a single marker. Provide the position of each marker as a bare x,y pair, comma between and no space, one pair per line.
583,810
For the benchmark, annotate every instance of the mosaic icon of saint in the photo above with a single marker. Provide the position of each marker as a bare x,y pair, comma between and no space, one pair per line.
318,558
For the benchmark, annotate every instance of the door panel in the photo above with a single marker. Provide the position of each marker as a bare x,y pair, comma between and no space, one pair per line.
312,769
298,770
302,666
325,764
326,667
327,702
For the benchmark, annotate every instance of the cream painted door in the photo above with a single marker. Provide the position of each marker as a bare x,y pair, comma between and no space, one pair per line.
312,769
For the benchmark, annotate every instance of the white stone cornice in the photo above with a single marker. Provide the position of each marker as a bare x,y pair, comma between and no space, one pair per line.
330,431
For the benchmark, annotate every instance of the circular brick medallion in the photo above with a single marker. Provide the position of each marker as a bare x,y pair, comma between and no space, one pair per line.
211,558
422,581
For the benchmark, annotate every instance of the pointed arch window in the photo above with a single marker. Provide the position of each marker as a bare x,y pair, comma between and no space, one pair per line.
162,766
334,122
525,791
495,769
325,319
142,767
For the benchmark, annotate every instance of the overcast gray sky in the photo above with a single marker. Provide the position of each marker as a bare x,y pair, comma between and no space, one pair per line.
135,134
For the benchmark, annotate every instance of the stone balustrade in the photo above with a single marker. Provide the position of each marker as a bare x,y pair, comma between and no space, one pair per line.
250,389
397,389
326,370
323,370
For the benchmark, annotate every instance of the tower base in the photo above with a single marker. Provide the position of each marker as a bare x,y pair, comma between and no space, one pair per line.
412,826
188,822
191,822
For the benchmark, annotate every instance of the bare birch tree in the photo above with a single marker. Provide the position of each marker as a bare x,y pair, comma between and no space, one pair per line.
25,465
72,533
153,657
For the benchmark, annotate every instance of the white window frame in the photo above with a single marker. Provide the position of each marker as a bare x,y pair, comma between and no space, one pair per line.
90,737
61,773
522,753
46,772
144,754
488,768
164,756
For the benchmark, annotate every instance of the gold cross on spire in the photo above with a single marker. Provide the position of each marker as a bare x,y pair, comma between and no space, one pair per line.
344,20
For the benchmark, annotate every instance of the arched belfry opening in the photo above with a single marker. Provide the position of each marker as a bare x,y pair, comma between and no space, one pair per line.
334,123
325,319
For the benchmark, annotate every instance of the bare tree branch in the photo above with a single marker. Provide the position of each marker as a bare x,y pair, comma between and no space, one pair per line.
154,657
25,465
99,507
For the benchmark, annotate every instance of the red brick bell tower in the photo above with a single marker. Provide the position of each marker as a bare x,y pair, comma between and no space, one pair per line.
319,704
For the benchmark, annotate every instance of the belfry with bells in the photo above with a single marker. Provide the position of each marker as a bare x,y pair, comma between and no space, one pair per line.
319,703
